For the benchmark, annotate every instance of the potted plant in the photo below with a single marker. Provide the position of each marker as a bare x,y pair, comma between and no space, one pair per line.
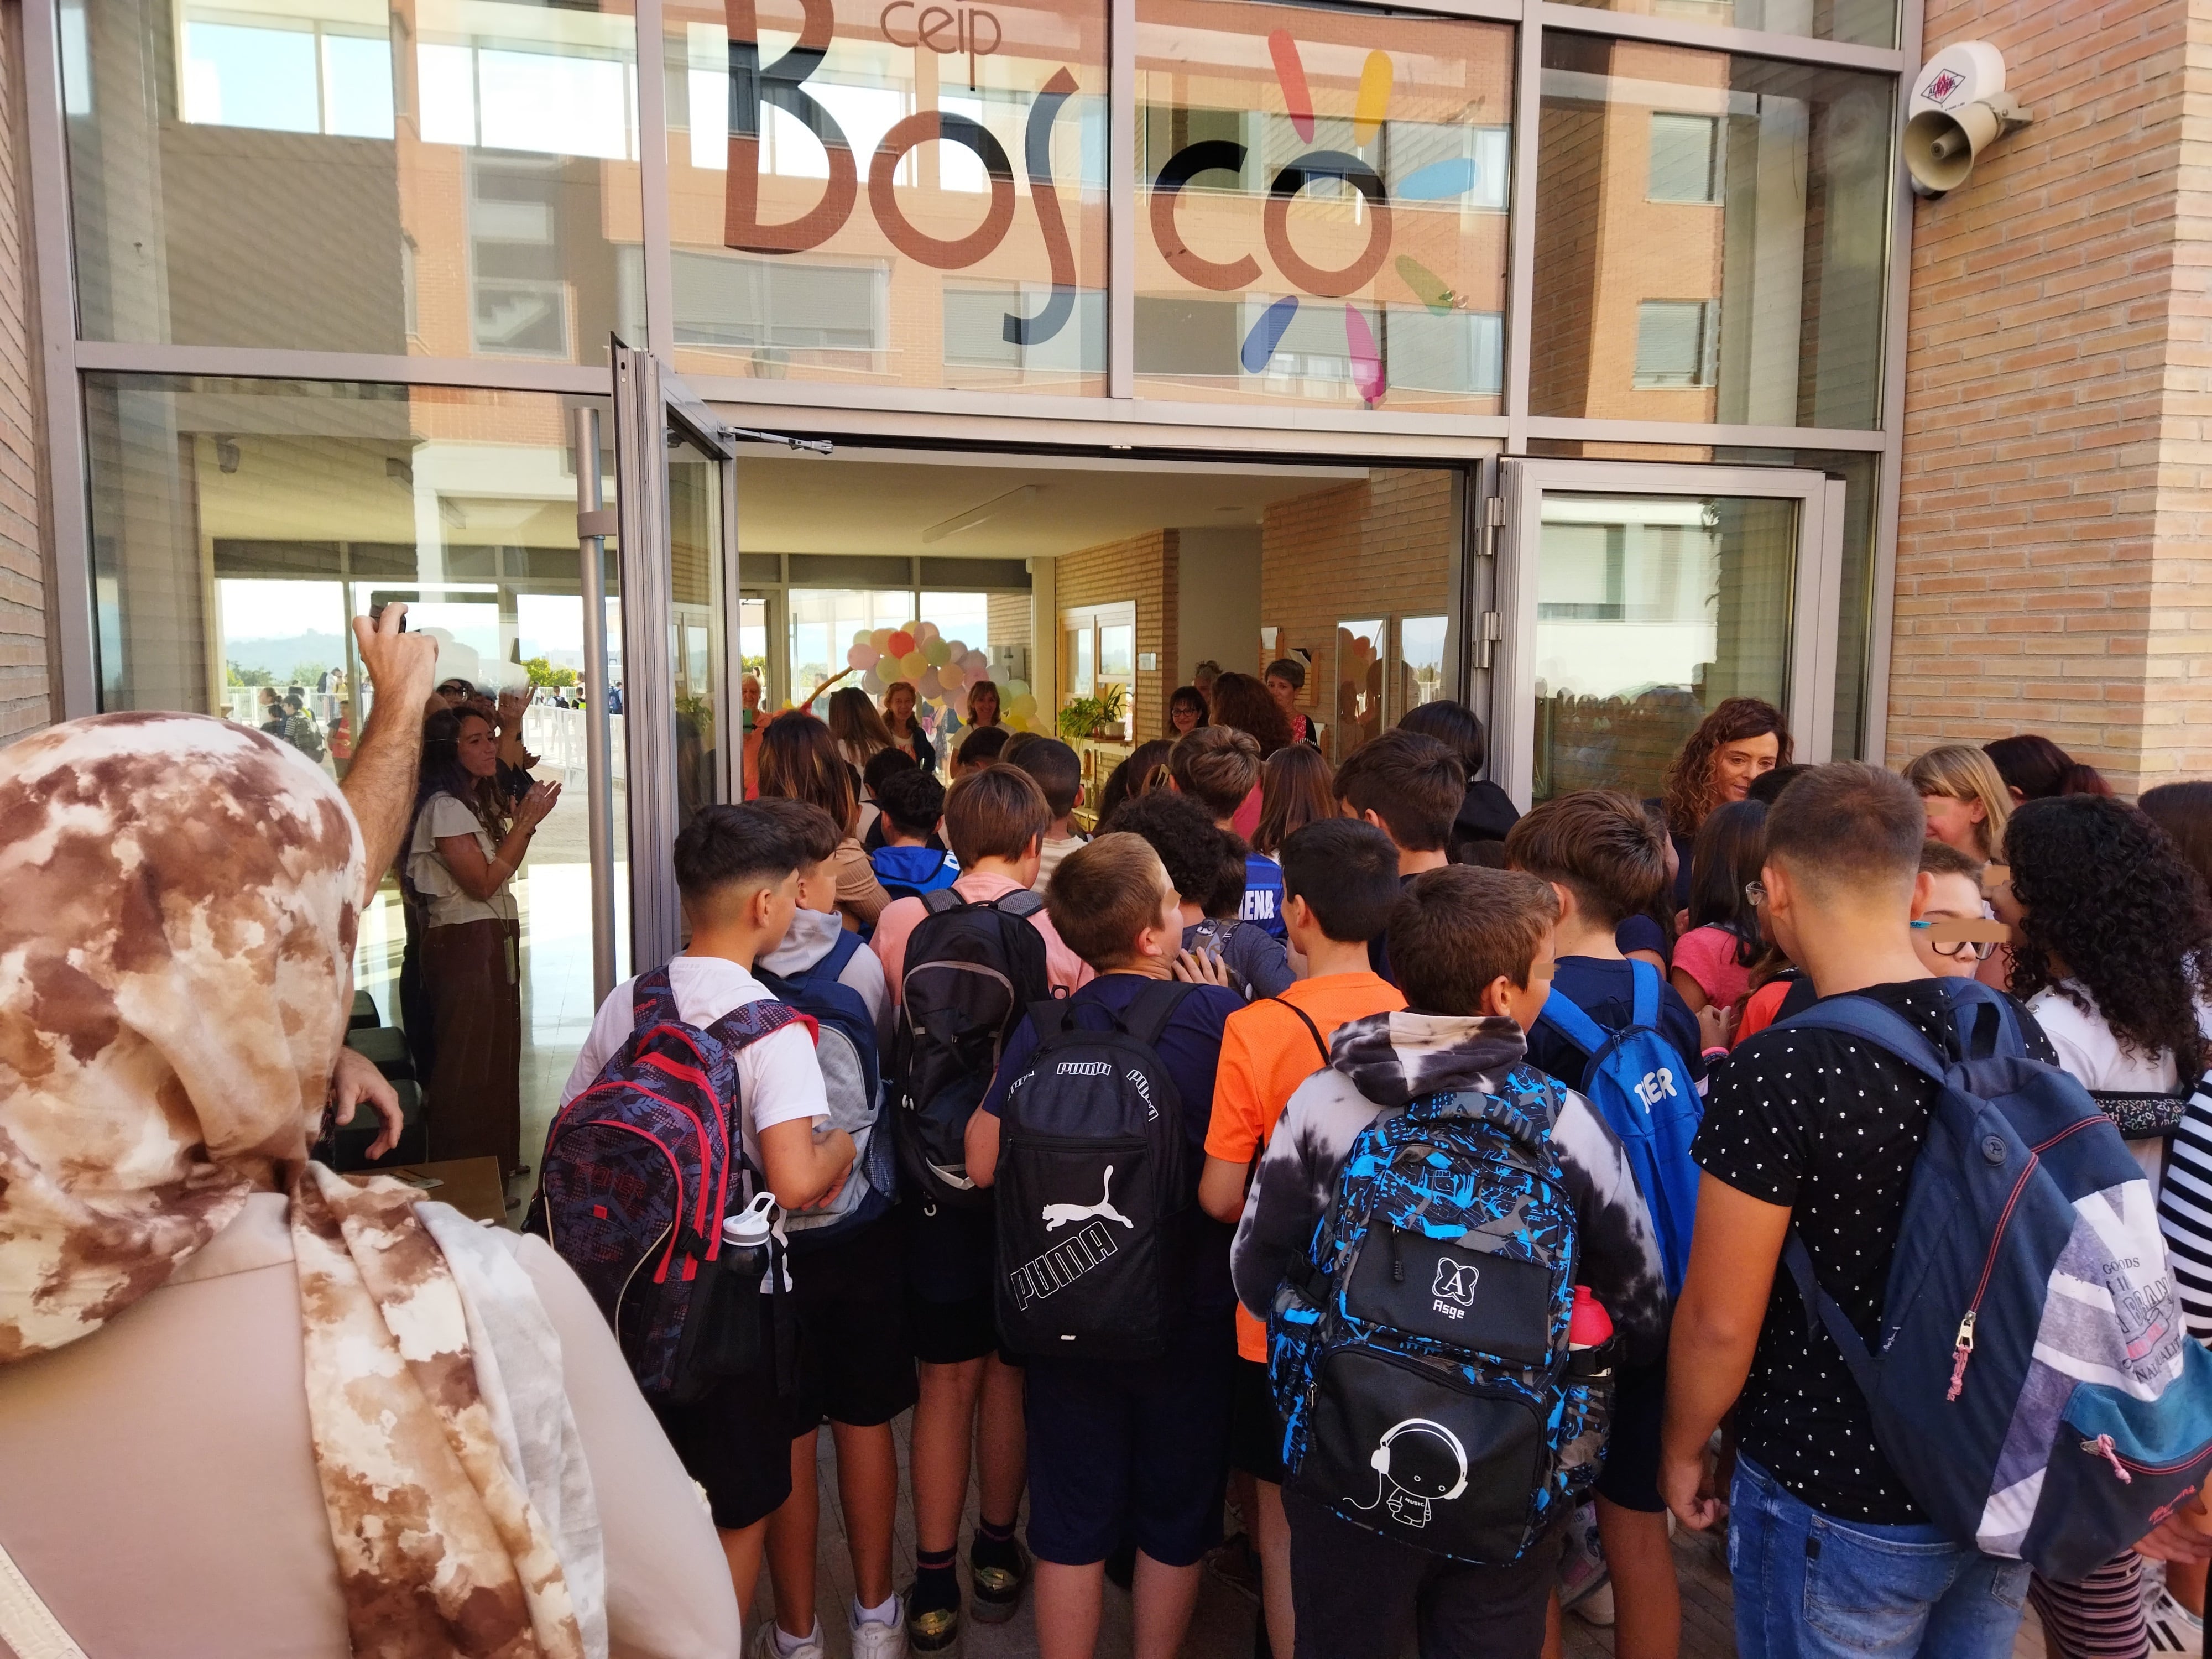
1078,718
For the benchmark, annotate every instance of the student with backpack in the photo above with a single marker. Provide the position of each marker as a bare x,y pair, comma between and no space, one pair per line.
1219,767
1410,787
1415,1234
1903,1459
737,870
912,801
1111,1281
964,964
1615,1029
1341,878
1196,852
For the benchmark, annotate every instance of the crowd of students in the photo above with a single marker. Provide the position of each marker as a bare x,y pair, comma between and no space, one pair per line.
1451,1190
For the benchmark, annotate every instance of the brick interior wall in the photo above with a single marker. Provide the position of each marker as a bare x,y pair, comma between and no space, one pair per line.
1142,569
25,685
2054,561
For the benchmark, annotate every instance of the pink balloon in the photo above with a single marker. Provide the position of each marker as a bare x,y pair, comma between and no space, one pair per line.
955,699
978,661
928,684
862,656
926,632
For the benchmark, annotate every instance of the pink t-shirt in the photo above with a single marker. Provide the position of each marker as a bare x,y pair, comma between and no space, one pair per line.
896,925
1245,821
1708,955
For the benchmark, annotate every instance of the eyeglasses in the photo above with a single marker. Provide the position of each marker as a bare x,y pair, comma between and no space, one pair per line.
1756,891
1958,950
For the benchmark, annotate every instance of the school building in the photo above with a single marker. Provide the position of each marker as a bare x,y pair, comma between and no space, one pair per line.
1589,363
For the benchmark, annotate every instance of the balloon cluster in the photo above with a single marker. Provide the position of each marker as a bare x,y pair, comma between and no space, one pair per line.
941,670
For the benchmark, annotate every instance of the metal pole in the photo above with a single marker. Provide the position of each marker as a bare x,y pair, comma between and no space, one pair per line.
591,528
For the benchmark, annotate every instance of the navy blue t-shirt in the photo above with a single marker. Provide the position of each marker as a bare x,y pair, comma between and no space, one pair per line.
1190,1049
1606,992
1263,895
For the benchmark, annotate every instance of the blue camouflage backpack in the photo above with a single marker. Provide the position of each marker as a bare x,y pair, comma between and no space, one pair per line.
1640,1085
851,1081
1418,1352
2031,1383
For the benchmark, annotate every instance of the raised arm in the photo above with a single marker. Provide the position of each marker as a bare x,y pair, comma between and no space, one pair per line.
380,785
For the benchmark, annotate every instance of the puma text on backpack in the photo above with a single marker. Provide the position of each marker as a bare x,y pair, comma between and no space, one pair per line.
1418,1352
1095,1186
1641,1086
845,1045
971,969
639,1171
2032,1383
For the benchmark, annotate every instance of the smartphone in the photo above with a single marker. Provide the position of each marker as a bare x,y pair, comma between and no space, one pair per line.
378,602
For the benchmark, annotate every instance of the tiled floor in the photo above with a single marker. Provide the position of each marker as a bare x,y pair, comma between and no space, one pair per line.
1223,1628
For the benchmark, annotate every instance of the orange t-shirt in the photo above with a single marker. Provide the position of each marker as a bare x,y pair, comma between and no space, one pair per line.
1266,1053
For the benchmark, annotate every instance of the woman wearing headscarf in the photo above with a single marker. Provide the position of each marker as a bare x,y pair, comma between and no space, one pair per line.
247,1405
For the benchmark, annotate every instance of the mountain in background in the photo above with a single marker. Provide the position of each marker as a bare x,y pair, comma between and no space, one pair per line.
279,657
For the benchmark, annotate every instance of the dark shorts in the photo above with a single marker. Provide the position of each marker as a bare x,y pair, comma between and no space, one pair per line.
736,1442
950,1295
1255,1428
1135,1452
1630,1477
855,1355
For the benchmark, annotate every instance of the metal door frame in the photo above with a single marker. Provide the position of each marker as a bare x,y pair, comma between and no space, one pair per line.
1815,602
653,408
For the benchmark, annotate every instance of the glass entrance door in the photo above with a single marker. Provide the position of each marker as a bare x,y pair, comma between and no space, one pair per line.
1636,599
678,521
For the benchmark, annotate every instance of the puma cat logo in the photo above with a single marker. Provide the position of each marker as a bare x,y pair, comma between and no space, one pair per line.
1060,1215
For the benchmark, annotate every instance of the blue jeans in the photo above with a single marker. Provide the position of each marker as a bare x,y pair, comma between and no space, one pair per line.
1808,1586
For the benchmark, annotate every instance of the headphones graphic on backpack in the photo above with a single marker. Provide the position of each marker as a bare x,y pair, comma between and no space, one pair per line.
1429,1467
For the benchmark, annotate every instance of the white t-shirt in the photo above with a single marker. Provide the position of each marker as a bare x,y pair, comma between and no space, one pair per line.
443,815
2088,1052
1050,851
778,1079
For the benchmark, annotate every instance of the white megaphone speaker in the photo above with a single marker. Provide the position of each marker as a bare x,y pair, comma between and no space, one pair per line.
1960,107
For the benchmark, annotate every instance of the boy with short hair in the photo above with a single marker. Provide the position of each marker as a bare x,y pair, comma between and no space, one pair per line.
737,873
883,765
994,818
913,802
1059,773
981,747
1604,860
1341,878
1219,767
1952,891
1474,955
1194,853
1409,787
1137,1448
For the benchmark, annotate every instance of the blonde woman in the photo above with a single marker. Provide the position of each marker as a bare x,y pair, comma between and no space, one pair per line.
1968,804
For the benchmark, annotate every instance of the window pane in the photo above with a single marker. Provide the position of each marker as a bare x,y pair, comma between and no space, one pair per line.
1715,232
238,523
1358,686
1650,611
827,622
925,205
1860,22
1323,217
461,181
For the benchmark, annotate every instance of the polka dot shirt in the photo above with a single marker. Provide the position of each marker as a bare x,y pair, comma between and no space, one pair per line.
1830,1126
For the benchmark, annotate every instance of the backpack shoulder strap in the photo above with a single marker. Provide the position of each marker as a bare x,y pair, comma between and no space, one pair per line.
1153,1007
938,900
749,1022
1025,903
1823,1308
835,961
1306,1020
1853,1015
653,1000
1644,1005
1568,1019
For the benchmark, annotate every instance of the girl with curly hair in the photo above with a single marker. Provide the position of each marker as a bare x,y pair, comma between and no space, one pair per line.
1741,739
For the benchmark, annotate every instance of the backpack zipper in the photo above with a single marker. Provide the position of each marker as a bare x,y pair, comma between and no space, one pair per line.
1962,1349
2102,1446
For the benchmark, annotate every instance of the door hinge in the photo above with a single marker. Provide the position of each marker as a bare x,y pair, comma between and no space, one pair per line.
1495,510
1493,630
601,523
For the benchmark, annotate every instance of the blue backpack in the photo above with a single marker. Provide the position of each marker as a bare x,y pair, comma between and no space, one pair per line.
1641,1086
1418,1351
2032,1383
852,1078
910,872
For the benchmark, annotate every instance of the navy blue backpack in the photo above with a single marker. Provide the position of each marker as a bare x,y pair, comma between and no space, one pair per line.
2031,1383
1641,1086
852,1078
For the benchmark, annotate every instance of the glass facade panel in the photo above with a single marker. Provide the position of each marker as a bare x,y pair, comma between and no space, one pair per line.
902,195
237,523
1322,198
1650,611
1712,236
1857,22
446,180
696,623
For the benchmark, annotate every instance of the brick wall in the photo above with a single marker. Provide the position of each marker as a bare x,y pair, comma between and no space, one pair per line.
2054,561
1142,570
25,686
1375,549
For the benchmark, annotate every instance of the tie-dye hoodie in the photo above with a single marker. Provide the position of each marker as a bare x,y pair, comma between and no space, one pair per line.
1377,1065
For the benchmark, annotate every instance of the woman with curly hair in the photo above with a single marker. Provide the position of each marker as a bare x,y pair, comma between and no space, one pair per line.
1241,700
1741,739
799,761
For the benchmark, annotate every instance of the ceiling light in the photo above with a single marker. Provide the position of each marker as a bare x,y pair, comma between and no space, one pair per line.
975,515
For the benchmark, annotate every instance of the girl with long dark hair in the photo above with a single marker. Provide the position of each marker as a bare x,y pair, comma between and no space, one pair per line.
1294,791
1244,703
860,730
799,761
1713,959
462,860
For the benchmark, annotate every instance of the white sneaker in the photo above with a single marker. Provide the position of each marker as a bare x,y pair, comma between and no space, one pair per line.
2174,1628
873,1641
1582,1563
1597,1607
763,1644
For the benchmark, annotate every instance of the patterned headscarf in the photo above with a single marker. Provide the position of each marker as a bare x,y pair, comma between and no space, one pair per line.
179,897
